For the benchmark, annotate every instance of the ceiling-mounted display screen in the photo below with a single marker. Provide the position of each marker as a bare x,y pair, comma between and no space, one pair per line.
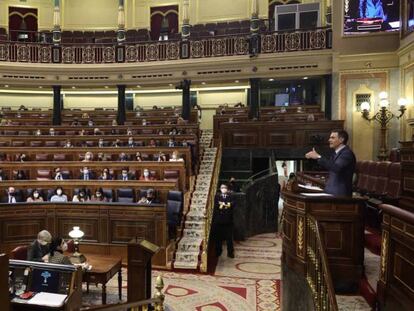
365,16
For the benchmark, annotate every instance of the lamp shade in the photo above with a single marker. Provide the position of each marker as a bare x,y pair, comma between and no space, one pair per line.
365,106
76,233
384,103
383,95
402,102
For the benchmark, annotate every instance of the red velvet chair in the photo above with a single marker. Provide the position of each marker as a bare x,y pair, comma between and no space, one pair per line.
372,176
20,253
394,180
382,180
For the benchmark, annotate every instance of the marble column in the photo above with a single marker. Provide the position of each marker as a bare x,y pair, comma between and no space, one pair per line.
121,116
56,23
120,34
57,105
185,29
186,109
254,98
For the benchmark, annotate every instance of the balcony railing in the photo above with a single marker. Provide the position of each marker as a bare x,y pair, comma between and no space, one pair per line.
229,45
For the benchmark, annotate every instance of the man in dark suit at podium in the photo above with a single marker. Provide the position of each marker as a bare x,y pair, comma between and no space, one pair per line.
341,165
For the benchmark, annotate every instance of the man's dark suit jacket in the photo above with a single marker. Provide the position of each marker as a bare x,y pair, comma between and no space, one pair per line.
341,169
36,251
91,176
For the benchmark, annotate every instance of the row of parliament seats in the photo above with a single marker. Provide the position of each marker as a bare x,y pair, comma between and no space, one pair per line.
93,141
101,131
379,182
142,35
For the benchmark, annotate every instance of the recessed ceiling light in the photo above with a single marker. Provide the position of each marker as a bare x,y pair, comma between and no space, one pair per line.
40,87
203,83
305,78
6,85
73,87
106,86
170,84
271,80
237,81
138,86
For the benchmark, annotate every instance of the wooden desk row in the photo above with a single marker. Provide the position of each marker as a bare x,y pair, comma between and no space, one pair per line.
170,171
97,121
218,120
107,227
71,186
98,113
106,130
270,109
144,140
287,135
11,154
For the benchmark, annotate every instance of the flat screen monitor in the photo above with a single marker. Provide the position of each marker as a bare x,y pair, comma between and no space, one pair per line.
282,100
43,280
365,16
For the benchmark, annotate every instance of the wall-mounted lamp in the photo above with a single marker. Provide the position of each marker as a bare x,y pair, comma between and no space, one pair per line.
383,116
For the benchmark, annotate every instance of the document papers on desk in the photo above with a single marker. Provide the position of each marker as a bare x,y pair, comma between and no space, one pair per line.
319,194
47,299
309,187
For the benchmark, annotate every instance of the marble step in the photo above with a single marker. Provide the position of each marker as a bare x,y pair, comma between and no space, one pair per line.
189,247
191,233
187,256
186,265
195,225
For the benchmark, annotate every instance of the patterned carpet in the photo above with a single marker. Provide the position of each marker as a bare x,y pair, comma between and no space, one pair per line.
249,282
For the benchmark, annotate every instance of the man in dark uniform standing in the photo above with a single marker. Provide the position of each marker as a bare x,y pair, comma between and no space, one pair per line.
223,221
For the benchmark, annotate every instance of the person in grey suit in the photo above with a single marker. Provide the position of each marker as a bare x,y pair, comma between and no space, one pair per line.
341,165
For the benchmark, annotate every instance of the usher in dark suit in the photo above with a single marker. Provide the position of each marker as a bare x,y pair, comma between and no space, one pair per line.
341,167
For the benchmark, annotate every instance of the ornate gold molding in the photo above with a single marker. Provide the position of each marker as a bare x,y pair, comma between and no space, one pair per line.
300,236
384,255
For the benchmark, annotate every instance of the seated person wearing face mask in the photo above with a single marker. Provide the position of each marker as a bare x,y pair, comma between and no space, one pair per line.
58,174
123,157
98,196
57,247
146,175
39,248
175,158
160,157
105,175
34,197
126,175
12,196
86,174
59,196
131,143
81,197
88,157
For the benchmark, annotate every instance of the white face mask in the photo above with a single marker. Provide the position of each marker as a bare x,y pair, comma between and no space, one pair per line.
174,156
42,242
59,192
88,157
35,195
64,247
146,174
223,190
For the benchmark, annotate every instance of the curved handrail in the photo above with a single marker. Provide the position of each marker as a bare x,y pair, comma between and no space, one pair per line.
210,208
318,274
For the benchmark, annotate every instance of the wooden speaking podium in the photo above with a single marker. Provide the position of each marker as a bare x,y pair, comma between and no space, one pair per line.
140,253
342,229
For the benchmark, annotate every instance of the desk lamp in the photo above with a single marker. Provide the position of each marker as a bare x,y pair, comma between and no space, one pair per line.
76,234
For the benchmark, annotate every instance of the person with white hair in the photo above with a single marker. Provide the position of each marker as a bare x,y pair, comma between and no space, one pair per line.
39,248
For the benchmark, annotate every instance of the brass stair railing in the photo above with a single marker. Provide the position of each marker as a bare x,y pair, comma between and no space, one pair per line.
318,275
210,208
